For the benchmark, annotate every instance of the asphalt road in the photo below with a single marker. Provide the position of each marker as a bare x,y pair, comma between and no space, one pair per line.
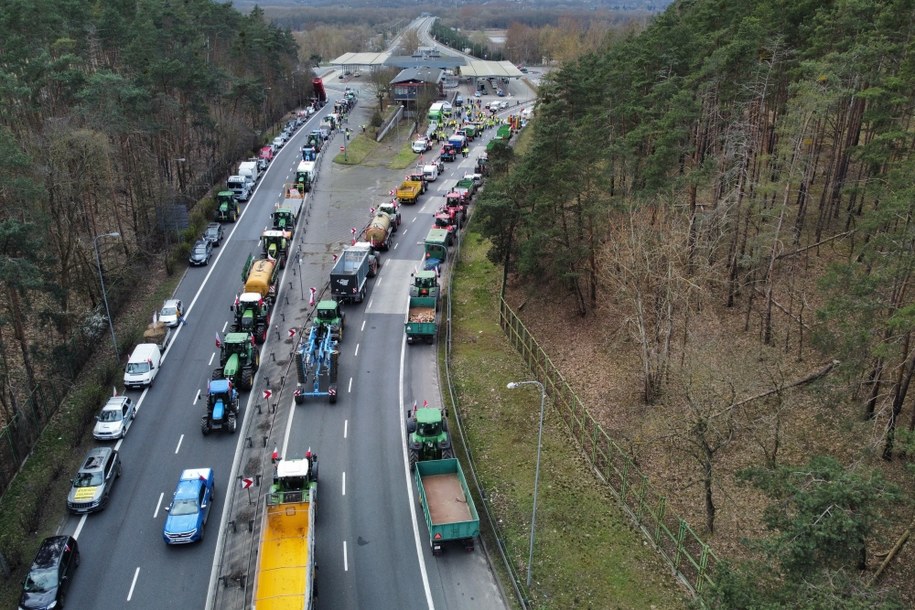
371,542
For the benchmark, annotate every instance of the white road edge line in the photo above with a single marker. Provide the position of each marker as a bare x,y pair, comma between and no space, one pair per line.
133,584
158,505
79,526
406,470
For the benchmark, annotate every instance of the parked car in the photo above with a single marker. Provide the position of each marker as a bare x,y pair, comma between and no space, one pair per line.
190,506
420,146
115,418
213,234
201,253
46,584
278,142
91,487
170,314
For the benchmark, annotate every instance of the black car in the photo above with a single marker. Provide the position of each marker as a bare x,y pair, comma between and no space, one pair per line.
213,234
201,253
46,584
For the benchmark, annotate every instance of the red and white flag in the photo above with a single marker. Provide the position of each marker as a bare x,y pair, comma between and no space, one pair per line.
353,231
267,394
202,478
291,332
425,404
218,342
275,455
236,300
311,298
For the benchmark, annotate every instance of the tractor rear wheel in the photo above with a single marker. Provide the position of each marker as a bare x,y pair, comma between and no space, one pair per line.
233,424
414,457
448,453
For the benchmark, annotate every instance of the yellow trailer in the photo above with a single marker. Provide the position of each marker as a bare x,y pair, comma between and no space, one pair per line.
285,574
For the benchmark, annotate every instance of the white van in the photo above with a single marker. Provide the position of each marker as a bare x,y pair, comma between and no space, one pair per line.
143,365
430,172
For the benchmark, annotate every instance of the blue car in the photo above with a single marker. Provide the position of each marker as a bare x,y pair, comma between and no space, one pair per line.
190,506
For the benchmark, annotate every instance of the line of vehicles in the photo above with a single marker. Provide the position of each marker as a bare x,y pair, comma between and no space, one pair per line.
285,564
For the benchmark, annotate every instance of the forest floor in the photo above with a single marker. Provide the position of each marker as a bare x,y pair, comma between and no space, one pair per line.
722,363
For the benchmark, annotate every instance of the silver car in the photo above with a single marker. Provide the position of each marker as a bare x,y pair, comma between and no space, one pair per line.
170,314
91,487
115,419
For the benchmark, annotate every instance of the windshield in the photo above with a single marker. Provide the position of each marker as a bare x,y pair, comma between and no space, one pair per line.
169,311
41,580
109,415
200,250
135,368
88,479
184,507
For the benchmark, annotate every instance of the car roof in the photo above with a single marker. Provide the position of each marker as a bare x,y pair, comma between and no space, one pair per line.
201,243
115,402
95,459
50,551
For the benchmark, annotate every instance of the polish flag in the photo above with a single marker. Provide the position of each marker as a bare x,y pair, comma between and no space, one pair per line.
218,342
425,404
275,455
236,300
311,298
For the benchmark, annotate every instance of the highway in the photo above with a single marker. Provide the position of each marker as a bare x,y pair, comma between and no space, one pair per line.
371,544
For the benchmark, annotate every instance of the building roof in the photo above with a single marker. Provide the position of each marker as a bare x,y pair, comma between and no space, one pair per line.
484,69
442,61
361,59
418,75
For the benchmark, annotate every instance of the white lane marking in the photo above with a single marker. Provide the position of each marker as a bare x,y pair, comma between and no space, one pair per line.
345,562
117,445
349,388
224,325
344,482
369,305
406,470
181,438
395,245
414,219
362,328
345,427
213,355
134,583
356,353
158,505
79,526
196,398
378,281
288,428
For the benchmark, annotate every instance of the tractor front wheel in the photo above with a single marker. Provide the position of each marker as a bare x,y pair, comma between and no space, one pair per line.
217,374
204,426
247,379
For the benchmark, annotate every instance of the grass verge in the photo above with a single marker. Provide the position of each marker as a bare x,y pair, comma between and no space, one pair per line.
357,149
587,554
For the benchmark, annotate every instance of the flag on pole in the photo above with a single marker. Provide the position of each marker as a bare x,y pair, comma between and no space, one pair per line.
236,300
267,394
218,342
425,404
276,454
311,298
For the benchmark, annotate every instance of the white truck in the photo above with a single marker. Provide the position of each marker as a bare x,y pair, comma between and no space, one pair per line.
250,170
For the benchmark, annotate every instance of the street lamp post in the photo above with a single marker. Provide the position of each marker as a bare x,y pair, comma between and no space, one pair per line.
512,386
101,277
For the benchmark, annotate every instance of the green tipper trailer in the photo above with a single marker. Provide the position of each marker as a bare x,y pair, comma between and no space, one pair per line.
422,319
447,504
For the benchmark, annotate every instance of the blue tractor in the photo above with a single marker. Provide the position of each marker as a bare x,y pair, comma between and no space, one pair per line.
222,407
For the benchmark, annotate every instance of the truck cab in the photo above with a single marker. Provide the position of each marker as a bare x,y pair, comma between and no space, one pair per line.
240,187
435,248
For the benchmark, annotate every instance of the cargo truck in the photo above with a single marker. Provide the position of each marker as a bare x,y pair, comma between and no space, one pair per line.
448,507
250,171
320,93
349,274
409,191
421,322
435,248
285,573
240,187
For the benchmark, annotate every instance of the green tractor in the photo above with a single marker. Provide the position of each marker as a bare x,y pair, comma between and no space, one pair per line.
238,360
425,284
252,315
330,315
427,435
226,207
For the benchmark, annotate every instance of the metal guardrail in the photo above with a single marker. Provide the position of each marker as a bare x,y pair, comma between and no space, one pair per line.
689,556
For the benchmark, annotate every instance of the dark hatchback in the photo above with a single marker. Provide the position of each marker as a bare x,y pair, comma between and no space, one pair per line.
46,584
201,253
